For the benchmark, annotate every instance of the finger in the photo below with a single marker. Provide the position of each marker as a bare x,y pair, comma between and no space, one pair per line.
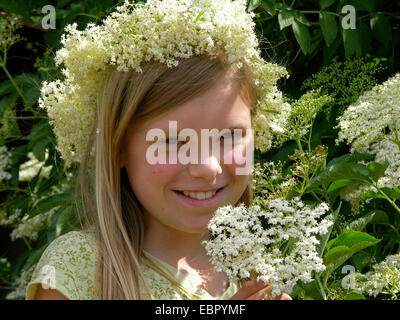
259,295
248,289
283,296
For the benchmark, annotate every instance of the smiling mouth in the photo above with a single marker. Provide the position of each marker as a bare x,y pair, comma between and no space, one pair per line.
199,195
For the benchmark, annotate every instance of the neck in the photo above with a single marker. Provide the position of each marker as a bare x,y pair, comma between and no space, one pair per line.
176,247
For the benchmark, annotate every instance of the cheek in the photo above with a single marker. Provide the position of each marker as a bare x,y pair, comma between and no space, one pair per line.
162,172
152,177
239,156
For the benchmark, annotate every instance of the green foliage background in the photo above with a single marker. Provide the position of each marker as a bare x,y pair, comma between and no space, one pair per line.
304,35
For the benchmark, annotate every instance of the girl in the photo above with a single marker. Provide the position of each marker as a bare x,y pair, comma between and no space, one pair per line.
142,238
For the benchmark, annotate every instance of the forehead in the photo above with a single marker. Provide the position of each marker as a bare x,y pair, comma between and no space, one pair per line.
222,106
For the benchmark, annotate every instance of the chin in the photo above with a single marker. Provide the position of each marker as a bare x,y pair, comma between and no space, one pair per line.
198,224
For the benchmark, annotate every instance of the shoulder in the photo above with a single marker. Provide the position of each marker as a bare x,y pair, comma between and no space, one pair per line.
68,265
74,248
74,241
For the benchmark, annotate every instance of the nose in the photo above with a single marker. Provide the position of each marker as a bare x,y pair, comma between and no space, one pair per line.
207,170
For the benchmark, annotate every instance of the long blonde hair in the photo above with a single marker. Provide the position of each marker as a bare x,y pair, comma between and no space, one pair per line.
112,207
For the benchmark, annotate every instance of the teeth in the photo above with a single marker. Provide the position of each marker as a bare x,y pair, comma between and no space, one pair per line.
200,195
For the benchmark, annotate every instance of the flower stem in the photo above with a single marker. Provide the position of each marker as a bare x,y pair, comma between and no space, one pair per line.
27,243
287,246
10,188
3,66
299,145
388,199
321,287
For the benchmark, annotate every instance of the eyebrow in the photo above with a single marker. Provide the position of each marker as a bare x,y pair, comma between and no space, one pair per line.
239,126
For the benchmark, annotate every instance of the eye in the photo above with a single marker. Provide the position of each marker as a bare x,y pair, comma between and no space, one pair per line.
227,135
171,141
231,135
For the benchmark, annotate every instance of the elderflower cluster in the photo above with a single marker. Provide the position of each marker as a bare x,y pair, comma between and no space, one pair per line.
6,220
30,227
302,114
164,31
8,25
248,242
364,122
5,163
372,125
29,169
384,278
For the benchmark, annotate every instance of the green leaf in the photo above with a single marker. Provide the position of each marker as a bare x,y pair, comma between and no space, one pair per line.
377,170
344,246
362,5
306,291
329,52
326,3
49,203
22,203
40,136
301,18
337,253
350,42
19,7
253,4
34,181
355,296
328,26
381,28
285,18
18,153
358,173
269,6
365,34
6,87
302,36
380,217
34,257
7,101
354,240
339,184
361,259
360,223
39,150
62,221
393,193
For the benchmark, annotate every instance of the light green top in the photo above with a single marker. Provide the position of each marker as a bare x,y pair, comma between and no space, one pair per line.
68,265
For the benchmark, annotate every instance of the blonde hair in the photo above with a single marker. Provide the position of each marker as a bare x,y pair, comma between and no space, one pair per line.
110,204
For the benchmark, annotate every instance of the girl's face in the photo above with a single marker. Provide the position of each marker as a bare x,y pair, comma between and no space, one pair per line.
161,188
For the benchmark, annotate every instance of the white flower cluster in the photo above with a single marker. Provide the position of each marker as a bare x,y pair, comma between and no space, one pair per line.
302,114
363,123
29,169
265,124
248,242
163,31
9,220
5,162
372,125
30,227
384,278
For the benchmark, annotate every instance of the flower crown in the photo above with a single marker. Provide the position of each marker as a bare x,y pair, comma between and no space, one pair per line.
163,31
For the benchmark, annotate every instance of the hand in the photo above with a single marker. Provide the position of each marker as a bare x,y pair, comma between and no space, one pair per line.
256,290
